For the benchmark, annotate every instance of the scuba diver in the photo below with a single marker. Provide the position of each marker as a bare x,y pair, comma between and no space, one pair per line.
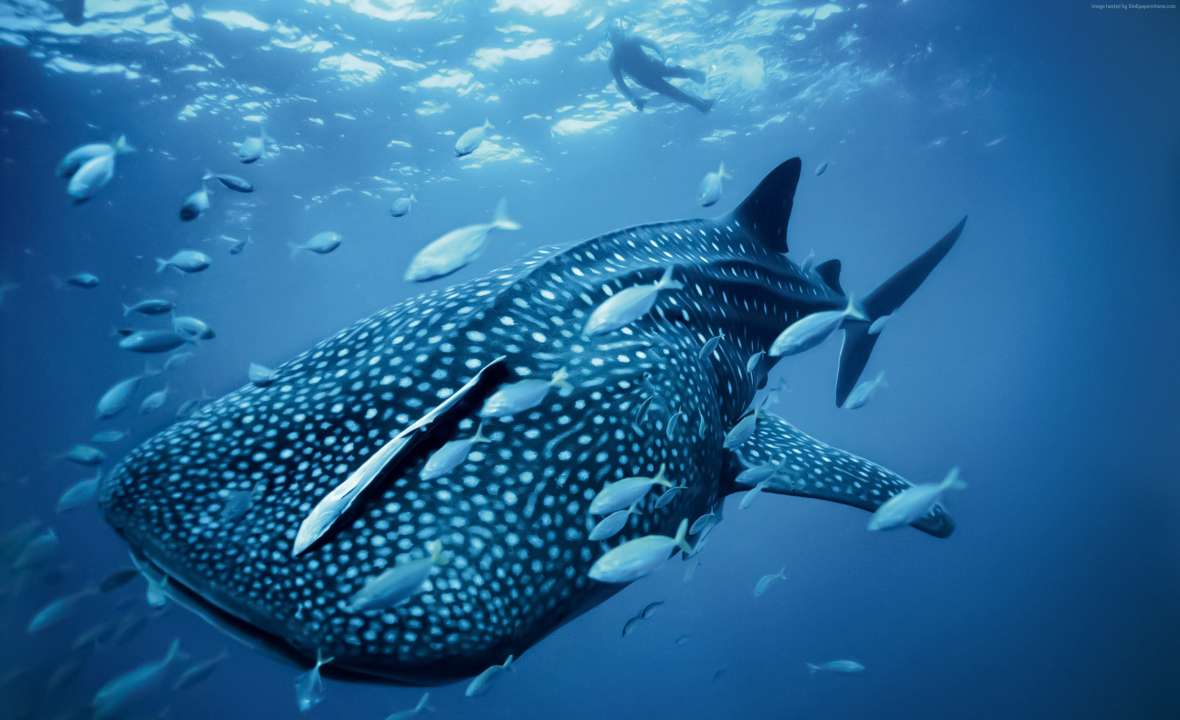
629,58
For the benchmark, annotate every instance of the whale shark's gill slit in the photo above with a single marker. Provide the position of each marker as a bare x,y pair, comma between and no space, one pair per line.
338,505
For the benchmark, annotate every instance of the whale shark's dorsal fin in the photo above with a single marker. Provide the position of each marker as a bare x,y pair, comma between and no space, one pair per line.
335,506
765,212
806,467
829,272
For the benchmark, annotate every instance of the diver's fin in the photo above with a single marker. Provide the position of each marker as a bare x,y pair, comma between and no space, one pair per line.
765,212
829,272
334,507
807,467
887,298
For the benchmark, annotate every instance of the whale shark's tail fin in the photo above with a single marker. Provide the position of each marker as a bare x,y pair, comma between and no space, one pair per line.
882,302
806,467
765,212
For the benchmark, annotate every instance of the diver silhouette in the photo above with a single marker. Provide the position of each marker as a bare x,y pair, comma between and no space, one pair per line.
629,57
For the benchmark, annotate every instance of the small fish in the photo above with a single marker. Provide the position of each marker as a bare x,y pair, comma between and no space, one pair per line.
636,558
626,492
641,411
191,328
845,667
702,426
56,611
451,455
175,360
822,168
94,636
94,174
78,494
811,330
879,324
483,681
672,423
420,709
117,397
742,431
912,503
152,341
154,401
85,455
156,593
864,391
610,525
233,182
109,436
649,610
185,261
82,154
321,243
83,280
401,206
471,139
754,475
116,695
668,496
708,348
195,205
704,524
709,191
681,640
754,360
766,581
151,306
631,624
458,248
752,495
397,584
522,395
261,376
117,579
253,148
37,551
309,686
237,245
628,305
199,672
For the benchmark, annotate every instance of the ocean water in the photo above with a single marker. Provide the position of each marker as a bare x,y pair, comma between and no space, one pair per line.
1039,357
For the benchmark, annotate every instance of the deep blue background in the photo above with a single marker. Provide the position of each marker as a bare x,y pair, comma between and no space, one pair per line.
1040,357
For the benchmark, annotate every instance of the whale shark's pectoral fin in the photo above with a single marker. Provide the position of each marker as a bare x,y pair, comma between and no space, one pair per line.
807,467
334,507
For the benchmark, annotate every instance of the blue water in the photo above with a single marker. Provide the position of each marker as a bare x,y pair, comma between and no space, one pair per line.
1040,356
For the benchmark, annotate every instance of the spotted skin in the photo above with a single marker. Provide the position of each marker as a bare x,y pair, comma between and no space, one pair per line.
512,518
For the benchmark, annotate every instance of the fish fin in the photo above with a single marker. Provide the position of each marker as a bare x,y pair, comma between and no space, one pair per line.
173,651
766,211
122,146
885,300
812,668
666,282
829,272
126,309
681,537
953,481
338,505
500,220
161,265
810,468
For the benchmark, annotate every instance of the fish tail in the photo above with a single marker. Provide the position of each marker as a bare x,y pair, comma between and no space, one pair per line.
953,481
812,668
173,651
666,282
295,249
122,146
561,378
508,663
681,537
422,704
500,220
888,297
126,309
161,265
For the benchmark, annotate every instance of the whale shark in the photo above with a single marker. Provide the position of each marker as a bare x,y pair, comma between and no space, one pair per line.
272,507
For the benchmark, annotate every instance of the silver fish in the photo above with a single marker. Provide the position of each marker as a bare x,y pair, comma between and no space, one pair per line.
457,248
